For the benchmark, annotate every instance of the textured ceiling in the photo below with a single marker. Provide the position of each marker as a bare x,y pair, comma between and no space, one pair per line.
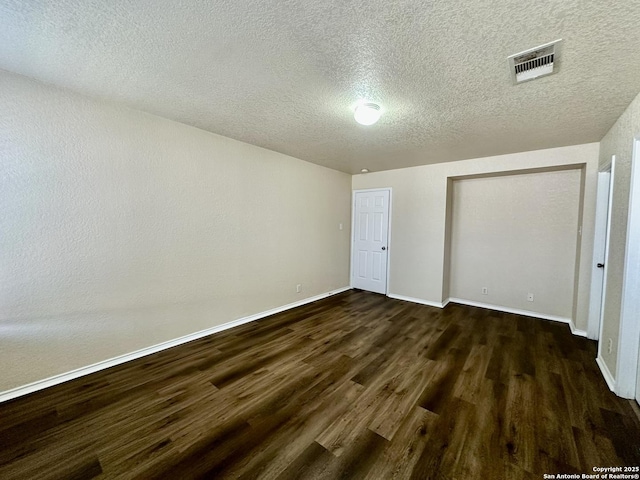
285,74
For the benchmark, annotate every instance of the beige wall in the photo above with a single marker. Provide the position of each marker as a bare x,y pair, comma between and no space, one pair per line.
619,142
516,234
419,216
121,230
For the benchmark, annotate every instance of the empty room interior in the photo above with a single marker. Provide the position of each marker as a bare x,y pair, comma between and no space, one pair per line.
320,240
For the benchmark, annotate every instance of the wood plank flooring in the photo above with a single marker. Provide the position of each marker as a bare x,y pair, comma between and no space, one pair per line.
354,386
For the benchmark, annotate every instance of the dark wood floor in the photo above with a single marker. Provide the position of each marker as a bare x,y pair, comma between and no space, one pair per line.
354,386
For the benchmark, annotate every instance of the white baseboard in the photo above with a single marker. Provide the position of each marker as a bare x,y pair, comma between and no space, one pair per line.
96,367
606,373
526,313
489,306
417,300
575,331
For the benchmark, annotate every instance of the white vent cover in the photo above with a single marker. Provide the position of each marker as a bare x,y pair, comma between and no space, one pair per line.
535,62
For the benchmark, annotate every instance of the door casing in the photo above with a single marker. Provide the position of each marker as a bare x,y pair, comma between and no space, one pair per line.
629,337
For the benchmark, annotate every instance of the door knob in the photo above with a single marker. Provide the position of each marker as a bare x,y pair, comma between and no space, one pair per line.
384,248
600,265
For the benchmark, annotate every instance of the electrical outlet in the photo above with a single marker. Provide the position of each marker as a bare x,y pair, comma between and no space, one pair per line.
298,288
485,291
340,227
610,345
530,297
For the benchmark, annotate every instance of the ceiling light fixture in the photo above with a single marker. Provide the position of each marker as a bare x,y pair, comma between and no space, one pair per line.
364,170
367,113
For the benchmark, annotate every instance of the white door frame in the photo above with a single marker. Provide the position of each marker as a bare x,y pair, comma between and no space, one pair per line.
353,231
603,222
629,339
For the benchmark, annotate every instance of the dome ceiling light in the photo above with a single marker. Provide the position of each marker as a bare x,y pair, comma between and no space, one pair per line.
367,113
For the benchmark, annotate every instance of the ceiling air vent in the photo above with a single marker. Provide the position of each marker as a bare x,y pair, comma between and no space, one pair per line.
535,62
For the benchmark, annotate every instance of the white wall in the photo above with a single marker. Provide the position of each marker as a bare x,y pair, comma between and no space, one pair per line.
418,240
121,230
516,234
619,142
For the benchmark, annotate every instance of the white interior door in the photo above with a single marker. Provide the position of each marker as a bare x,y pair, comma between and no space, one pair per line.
611,170
599,254
370,240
